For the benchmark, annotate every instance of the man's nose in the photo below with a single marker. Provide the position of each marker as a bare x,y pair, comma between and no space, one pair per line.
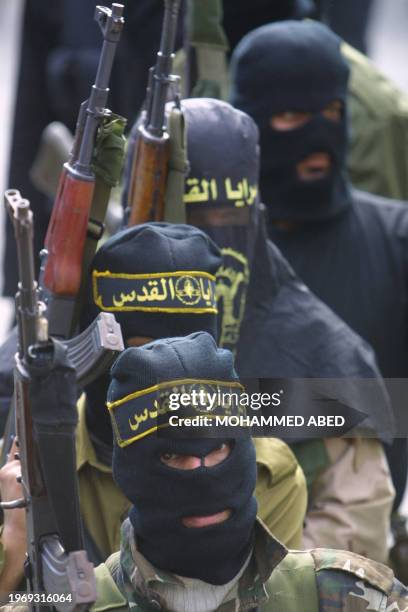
192,463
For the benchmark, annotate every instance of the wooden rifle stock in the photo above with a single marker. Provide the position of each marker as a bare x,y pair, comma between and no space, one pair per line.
149,177
66,233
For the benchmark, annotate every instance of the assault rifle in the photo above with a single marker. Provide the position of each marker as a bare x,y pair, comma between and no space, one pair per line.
90,353
46,418
62,257
151,155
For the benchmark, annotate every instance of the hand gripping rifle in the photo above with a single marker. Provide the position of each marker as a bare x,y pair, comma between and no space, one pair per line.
67,230
46,417
151,155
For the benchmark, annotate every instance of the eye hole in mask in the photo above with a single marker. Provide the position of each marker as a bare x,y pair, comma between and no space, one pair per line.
191,462
293,120
222,216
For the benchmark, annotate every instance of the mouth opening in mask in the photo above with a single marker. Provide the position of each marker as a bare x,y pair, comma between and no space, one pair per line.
314,167
198,522
222,216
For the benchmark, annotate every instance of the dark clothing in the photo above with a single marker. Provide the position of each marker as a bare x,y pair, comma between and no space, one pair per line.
350,20
357,264
282,329
287,332
32,114
60,50
240,17
352,254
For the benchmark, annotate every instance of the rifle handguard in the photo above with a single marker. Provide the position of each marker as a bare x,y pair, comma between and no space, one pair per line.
149,178
66,234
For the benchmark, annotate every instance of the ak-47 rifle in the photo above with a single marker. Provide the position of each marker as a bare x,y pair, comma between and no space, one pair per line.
151,155
57,569
62,257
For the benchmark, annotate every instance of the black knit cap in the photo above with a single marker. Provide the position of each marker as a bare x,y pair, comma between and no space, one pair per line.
195,356
142,376
288,65
158,279
223,155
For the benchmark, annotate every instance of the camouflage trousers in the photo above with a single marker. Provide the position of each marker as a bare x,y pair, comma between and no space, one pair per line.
351,500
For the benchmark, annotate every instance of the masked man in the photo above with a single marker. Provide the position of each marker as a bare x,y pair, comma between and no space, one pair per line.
157,279
192,542
349,247
262,304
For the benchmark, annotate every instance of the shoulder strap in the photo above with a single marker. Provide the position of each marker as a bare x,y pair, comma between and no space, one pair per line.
205,34
175,210
292,585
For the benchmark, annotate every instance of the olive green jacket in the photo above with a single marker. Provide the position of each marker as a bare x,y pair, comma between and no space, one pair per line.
378,158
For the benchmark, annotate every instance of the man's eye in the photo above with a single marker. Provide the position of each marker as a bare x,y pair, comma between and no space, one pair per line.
168,457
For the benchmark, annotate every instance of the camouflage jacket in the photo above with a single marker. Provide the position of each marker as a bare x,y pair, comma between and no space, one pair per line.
276,580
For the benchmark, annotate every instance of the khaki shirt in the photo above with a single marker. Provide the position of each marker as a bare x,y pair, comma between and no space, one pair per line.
281,491
103,505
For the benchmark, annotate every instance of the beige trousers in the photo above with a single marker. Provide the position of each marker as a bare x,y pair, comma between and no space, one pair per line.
351,500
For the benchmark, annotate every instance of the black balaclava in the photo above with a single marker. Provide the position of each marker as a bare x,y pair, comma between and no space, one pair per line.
143,259
221,197
163,495
295,66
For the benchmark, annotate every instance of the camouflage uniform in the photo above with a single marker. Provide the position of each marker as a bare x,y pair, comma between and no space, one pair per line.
275,580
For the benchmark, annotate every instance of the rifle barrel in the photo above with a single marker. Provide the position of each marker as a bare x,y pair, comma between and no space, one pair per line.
26,300
111,23
162,70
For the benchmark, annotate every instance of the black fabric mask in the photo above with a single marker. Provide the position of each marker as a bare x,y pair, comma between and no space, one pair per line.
284,193
304,70
162,496
223,153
